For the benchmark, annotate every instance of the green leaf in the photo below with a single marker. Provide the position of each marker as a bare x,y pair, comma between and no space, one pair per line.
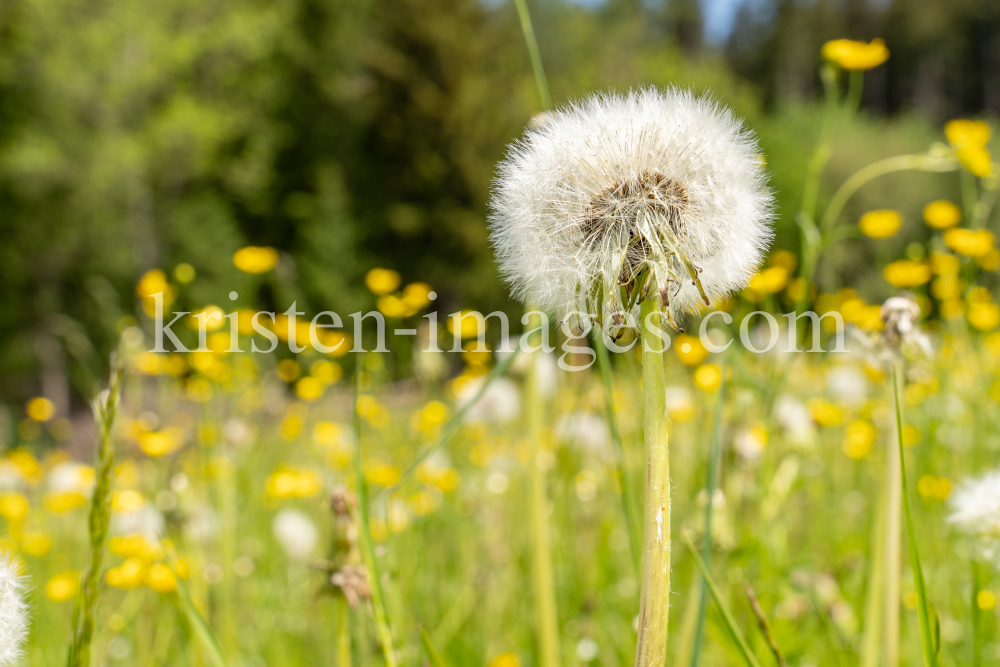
195,618
432,655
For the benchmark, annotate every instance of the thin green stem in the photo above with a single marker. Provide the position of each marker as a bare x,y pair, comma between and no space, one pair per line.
654,591
970,194
923,610
987,200
536,58
546,612
892,556
710,486
343,633
977,635
628,494
367,544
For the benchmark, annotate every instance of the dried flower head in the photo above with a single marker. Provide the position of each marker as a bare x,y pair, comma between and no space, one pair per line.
901,333
352,580
618,195
976,512
13,611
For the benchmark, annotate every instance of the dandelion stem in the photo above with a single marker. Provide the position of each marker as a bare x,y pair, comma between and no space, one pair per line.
628,494
85,606
923,610
536,58
654,602
892,556
546,613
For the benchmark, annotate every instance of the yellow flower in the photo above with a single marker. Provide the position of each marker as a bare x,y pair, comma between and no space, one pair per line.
467,324
41,409
417,295
968,242
35,543
184,273
309,389
327,372
288,482
382,281
327,434
255,259
768,281
213,316
850,54
159,577
946,287
911,436
13,507
62,587
985,600
935,488
964,132
394,307
159,443
825,413
690,350
127,575
976,159
942,214
708,377
785,259
338,340
506,660
905,273
859,439
381,474
880,224
133,546
126,502
990,261
984,316
945,264
63,501
148,363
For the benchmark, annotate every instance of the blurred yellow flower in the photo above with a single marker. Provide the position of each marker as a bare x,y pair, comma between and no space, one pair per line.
337,340
945,264
984,316
853,55
964,132
968,242
382,281
148,363
768,281
990,261
35,543
63,501
506,660
134,546
289,370
327,372
825,413
859,439
62,587
690,350
41,409
184,273
160,443
946,287
255,259
708,377
394,307
429,418
985,600
905,273
911,436
213,315
127,575
291,426
464,324
288,482
976,159
785,259
880,224
127,501
159,577
381,474
942,214
327,434
373,412
309,389
13,507
936,488
417,295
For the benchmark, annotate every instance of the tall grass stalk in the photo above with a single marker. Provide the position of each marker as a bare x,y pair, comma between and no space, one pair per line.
875,599
892,554
543,582
654,591
923,609
382,628
534,54
85,606
977,632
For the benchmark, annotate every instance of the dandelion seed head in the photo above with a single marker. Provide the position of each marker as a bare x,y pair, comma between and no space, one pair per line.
13,610
976,512
618,195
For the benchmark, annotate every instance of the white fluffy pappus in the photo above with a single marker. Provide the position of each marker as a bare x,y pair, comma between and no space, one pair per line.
976,506
296,533
654,189
13,610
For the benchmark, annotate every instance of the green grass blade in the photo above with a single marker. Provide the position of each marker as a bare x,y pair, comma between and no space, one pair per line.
195,618
432,655
628,495
727,616
367,544
536,58
449,430
926,633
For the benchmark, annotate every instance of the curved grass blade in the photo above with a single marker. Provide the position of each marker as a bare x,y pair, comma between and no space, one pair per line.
432,655
194,617
727,616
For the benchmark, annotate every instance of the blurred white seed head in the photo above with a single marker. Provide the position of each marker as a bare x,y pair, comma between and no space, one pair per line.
296,533
13,611
976,512
652,190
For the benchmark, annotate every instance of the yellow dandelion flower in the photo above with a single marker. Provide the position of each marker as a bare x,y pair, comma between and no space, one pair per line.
381,474
911,436
690,350
287,482
159,443
159,577
880,224
942,214
506,660
382,281
62,587
853,55
63,501
984,316
769,281
392,306
708,377
417,295
905,273
785,259
213,315
255,259
945,264
976,159
985,600
464,324
41,409
327,372
13,507
990,261
968,242
126,502
128,575
133,546
291,426
825,413
309,389
964,132
148,363
946,287
859,439
337,342
35,543
327,434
